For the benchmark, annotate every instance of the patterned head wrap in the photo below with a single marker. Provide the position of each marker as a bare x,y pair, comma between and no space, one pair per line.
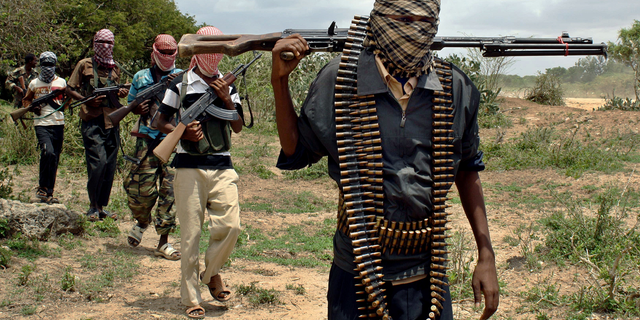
165,62
104,51
207,63
404,47
48,61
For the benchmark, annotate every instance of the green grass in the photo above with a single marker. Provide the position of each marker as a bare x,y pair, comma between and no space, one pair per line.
289,202
298,246
259,296
28,249
545,148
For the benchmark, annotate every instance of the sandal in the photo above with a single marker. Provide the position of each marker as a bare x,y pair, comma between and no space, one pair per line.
195,312
42,195
167,251
218,290
107,214
135,235
93,215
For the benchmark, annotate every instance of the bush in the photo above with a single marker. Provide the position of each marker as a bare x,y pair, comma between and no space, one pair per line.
6,186
547,90
617,103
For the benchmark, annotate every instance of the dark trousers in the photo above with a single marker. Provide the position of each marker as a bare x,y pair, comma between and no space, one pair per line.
101,153
50,143
409,301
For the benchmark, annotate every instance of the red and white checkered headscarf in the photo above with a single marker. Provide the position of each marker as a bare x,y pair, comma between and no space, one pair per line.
207,63
104,51
165,62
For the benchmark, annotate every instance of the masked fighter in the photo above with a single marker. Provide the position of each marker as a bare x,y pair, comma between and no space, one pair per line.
48,122
150,181
205,184
100,137
399,127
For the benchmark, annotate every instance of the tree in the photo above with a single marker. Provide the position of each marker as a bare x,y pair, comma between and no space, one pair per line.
627,51
66,27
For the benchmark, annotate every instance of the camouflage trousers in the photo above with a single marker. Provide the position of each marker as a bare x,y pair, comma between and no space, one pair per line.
148,183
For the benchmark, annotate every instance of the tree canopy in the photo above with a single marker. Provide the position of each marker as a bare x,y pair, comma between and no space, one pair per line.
66,27
627,51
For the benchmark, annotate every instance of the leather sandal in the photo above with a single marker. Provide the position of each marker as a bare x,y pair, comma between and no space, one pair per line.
195,312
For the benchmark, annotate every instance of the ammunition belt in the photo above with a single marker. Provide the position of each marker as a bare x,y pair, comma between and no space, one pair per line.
361,210
360,157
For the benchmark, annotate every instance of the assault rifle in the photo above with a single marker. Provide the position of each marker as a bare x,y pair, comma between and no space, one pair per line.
334,38
42,101
155,91
110,92
202,107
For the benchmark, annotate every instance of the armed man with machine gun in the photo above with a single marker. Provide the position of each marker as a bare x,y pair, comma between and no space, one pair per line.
44,97
150,181
205,184
101,138
399,127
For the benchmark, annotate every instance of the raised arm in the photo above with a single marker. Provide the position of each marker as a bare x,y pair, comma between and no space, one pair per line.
286,117
485,278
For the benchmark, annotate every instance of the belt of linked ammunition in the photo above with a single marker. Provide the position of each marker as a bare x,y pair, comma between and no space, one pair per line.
360,157
361,195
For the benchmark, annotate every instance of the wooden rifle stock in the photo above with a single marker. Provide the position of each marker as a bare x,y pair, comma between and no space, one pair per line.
165,148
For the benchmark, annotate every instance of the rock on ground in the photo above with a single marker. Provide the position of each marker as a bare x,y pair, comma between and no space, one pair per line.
36,220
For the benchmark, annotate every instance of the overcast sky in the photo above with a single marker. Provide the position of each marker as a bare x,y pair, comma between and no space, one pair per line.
600,20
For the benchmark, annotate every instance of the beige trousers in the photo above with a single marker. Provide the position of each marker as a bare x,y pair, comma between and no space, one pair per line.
205,194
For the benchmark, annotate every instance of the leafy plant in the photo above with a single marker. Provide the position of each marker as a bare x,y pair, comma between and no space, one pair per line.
547,90
6,188
298,288
5,257
68,280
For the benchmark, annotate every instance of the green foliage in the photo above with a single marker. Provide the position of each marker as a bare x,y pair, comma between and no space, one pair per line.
68,280
298,288
107,227
296,245
114,268
544,147
68,241
67,27
286,202
547,90
603,243
29,249
618,103
6,188
461,271
315,171
25,273
4,228
18,145
489,114
627,51
258,296
543,297
5,257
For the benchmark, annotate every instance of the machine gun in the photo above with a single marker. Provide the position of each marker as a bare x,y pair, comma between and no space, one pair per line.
334,38
202,107
155,91
44,100
110,92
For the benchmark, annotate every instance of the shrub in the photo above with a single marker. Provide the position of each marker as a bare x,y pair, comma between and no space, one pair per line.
547,90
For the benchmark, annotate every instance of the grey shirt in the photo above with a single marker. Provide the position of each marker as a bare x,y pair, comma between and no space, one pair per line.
406,150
